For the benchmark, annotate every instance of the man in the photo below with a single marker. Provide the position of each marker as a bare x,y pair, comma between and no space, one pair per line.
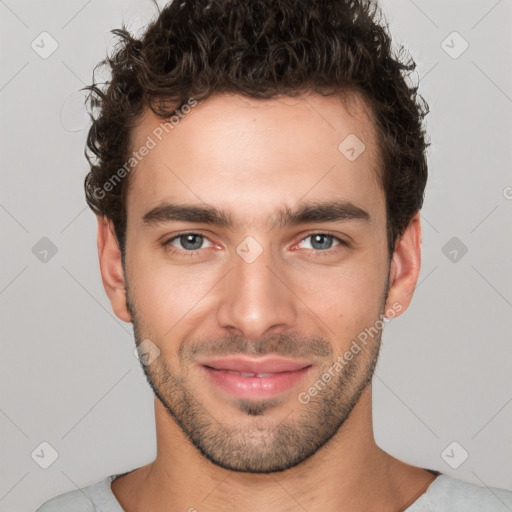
257,169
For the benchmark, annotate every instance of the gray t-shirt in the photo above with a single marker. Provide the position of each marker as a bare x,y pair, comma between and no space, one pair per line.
445,494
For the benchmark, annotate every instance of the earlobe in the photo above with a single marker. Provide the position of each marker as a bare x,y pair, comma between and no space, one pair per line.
405,267
111,268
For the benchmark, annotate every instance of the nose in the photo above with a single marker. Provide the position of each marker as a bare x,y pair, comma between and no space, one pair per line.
256,299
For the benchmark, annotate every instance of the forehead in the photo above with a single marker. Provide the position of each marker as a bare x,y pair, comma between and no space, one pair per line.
251,156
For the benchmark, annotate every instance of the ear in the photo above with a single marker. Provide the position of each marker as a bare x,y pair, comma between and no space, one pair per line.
405,267
111,268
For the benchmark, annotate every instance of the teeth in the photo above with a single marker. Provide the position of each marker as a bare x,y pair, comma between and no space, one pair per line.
247,374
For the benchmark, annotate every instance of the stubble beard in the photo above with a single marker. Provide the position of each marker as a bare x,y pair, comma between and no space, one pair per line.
261,443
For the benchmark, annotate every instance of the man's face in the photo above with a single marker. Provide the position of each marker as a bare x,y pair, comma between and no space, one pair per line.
262,286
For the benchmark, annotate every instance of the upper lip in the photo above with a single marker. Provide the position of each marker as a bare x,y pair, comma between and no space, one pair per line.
258,365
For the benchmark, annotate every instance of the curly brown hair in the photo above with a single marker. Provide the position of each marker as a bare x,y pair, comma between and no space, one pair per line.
259,49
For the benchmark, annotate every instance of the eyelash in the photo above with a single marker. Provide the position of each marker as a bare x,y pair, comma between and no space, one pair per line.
316,252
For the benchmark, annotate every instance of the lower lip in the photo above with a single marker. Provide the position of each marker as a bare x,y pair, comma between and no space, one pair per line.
255,387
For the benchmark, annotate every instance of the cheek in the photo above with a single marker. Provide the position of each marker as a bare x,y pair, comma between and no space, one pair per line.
166,295
347,298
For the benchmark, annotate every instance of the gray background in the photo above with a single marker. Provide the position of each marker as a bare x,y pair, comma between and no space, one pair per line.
68,375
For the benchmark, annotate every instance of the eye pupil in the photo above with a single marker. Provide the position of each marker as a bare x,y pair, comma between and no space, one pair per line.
320,241
185,239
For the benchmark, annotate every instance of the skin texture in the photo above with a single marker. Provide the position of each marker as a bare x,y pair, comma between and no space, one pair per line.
297,299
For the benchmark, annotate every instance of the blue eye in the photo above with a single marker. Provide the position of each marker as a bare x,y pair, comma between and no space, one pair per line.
189,242
322,241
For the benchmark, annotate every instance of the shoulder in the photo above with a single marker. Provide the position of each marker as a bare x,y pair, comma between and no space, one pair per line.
72,501
92,498
451,494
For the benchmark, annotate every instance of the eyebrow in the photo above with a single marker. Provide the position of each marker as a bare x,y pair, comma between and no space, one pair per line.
305,213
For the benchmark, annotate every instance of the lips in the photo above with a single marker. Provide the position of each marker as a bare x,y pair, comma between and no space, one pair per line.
260,378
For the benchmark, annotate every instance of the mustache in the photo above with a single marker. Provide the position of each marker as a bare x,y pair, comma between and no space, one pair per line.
287,345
